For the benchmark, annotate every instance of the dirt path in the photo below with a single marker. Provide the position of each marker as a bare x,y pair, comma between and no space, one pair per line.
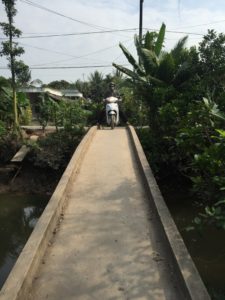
103,248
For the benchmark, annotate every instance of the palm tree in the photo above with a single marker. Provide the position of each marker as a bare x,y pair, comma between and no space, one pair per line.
97,86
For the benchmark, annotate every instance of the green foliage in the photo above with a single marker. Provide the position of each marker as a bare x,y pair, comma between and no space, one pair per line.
135,110
62,113
150,146
212,60
9,144
160,40
11,50
55,150
212,215
184,92
4,82
2,129
97,87
22,73
59,84
166,68
6,110
132,61
25,115
43,109
209,169
155,67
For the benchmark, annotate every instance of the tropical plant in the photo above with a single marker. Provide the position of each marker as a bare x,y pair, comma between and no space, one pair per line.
66,113
55,150
157,75
11,50
6,111
44,110
22,73
83,87
155,66
59,84
4,82
23,107
97,86
212,62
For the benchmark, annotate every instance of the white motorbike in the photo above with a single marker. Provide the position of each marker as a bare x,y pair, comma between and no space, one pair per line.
112,111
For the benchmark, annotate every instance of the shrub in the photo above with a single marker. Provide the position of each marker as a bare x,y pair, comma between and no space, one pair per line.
55,150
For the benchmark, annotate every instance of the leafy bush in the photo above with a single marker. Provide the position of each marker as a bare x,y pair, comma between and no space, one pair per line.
62,113
55,150
2,129
9,144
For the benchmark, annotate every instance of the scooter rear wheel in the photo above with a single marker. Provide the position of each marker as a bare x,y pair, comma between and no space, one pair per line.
113,121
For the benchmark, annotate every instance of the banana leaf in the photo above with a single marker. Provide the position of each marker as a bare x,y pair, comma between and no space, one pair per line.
160,39
150,61
132,61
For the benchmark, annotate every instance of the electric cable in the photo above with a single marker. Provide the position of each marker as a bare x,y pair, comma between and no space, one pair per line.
64,16
203,24
65,67
73,34
72,56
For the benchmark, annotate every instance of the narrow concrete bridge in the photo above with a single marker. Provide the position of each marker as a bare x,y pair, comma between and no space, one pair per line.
106,232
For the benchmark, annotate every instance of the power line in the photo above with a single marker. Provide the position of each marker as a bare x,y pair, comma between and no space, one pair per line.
64,16
72,56
65,67
61,15
73,34
204,24
177,32
100,32
47,50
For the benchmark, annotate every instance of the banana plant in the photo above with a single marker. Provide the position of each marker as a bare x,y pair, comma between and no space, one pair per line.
154,65
213,108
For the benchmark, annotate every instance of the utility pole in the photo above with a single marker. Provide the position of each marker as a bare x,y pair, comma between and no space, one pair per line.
140,20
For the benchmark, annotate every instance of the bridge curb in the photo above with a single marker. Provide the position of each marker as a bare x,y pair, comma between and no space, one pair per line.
188,276
19,282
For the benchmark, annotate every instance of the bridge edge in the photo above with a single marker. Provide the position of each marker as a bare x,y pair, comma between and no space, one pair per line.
189,274
19,281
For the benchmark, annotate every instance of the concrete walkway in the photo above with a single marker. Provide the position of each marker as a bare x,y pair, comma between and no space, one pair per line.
104,247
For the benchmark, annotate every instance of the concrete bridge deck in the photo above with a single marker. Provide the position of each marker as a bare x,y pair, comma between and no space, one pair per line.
109,244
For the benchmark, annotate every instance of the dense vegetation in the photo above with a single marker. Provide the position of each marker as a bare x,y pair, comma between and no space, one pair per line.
178,93
184,91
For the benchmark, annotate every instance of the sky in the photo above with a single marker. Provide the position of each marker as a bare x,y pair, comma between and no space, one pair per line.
85,51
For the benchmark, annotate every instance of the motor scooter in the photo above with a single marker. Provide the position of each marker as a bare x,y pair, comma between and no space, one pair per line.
112,111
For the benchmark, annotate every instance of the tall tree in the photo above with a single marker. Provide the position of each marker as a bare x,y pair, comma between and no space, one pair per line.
83,87
4,82
22,73
11,50
59,84
97,86
212,61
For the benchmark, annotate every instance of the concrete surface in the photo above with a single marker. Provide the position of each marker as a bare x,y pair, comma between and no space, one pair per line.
102,248
172,245
114,240
20,155
21,277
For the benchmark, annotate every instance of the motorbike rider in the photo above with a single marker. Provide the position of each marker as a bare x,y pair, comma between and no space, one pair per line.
112,92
